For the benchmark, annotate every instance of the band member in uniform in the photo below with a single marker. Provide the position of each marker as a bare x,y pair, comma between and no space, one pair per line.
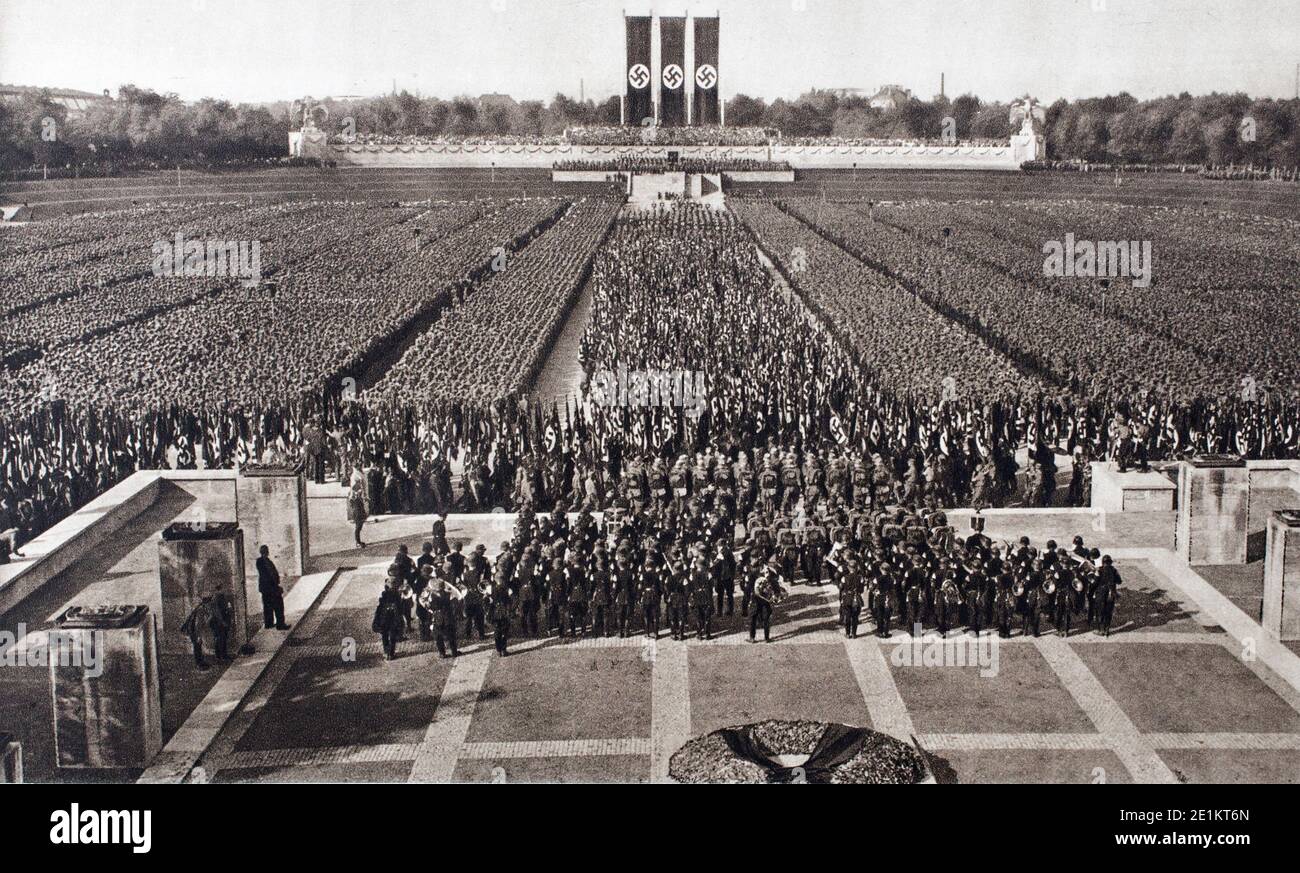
701,603
575,581
388,617
441,602
472,603
677,597
814,554
767,593
600,599
753,571
438,536
789,555
851,586
530,602
650,609
555,597
502,603
358,511
723,573
622,609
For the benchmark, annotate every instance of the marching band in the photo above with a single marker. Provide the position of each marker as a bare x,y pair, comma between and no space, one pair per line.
664,550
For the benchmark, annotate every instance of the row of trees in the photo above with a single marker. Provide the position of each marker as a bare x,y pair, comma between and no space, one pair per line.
142,126
405,114
1211,129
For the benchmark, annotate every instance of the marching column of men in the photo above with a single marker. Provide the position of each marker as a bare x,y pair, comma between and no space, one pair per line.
676,549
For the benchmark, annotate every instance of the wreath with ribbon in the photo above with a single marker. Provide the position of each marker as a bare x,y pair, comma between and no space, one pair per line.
777,751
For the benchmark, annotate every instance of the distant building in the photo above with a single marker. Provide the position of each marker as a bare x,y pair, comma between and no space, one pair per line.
77,102
841,93
890,97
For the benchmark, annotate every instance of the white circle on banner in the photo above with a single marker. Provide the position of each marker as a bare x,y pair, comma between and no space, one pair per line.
638,75
706,76
673,77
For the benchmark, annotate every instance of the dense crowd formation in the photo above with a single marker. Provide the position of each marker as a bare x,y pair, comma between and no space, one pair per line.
448,139
921,344
890,141
616,134
645,164
589,135
1205,298
491,347
235,371
1222,172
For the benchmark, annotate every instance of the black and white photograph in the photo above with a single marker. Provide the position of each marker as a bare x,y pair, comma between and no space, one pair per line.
862,392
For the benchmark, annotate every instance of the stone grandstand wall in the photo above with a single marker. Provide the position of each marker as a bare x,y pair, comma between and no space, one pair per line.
1008,157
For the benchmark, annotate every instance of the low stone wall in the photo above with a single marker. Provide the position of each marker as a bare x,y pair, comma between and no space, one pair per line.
1275,474
53,551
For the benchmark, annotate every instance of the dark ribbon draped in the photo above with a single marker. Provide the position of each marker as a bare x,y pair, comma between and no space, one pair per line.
838,744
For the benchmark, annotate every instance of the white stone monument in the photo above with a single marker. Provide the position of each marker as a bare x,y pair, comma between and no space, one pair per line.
1282,575
107,692
271,505
195,561
1213,505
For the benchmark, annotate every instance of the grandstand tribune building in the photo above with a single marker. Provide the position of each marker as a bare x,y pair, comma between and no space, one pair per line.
670,82
315,144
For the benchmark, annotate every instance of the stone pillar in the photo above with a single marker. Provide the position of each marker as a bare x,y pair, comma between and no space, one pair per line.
107,696
271,505
11,760
1213,501
194,562
1282,575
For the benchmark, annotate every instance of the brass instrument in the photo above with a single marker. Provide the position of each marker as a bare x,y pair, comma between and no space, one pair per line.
770,590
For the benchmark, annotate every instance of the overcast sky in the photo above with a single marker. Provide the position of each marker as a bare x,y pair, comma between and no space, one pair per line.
253,50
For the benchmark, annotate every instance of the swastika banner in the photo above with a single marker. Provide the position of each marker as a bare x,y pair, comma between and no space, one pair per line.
673,80
706,72
640,93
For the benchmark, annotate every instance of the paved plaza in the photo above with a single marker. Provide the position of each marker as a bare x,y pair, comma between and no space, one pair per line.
1186,689
1177,693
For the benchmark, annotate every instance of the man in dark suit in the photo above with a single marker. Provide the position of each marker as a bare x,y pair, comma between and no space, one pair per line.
268,585
438,535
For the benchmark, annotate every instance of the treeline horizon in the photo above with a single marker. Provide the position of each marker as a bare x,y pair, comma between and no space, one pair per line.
143,126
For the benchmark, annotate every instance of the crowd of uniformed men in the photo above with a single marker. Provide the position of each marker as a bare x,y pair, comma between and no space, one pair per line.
673,550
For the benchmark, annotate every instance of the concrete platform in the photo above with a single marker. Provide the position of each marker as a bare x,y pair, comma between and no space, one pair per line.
1132,491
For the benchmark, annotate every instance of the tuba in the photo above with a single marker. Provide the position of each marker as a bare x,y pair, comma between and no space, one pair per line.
769,590
1019,588
1049,586
1078,584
